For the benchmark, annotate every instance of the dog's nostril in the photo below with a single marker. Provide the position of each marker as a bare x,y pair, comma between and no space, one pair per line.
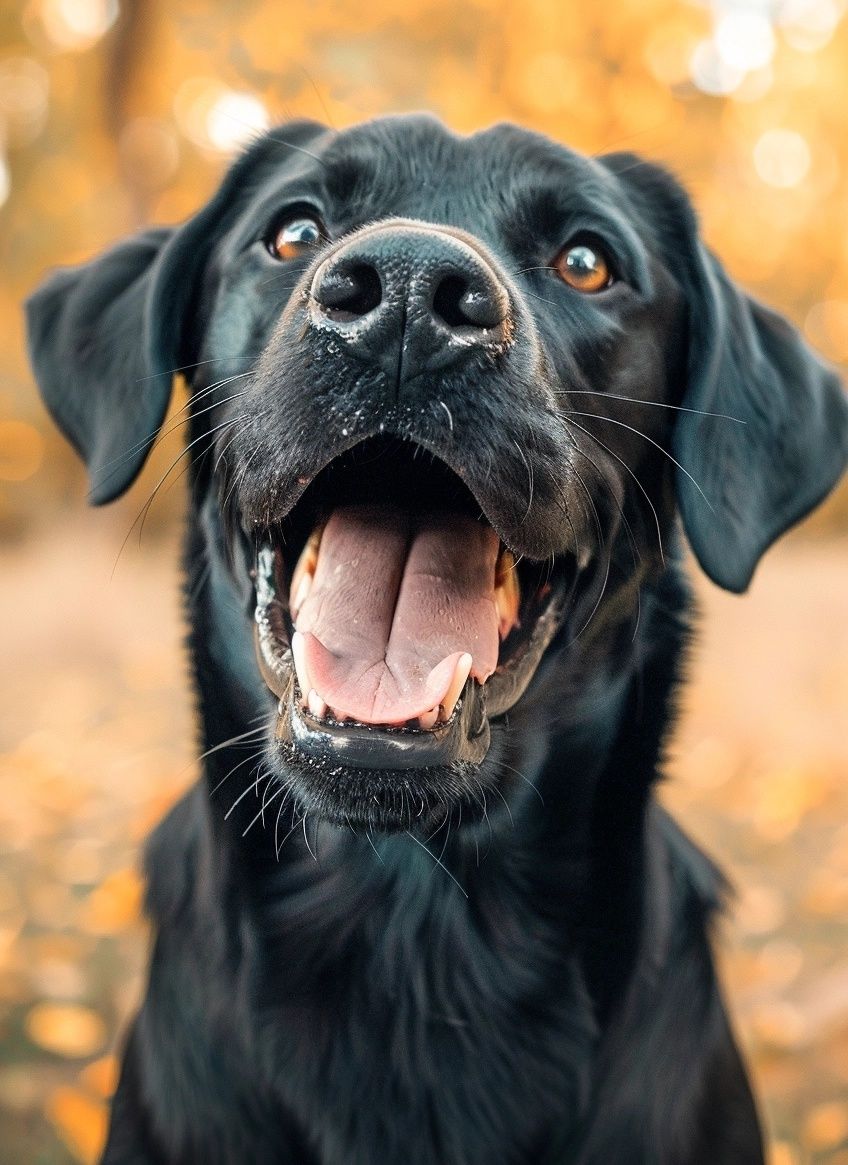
347,290
459,304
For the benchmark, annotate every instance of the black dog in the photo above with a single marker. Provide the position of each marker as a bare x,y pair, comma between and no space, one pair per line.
449,396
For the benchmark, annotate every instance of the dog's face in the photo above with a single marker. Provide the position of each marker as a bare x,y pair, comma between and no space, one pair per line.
449,395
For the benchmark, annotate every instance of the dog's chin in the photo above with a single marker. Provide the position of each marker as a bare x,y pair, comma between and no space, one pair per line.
416,801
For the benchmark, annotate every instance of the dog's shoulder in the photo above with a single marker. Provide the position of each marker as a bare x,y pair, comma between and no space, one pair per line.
696,882
171,864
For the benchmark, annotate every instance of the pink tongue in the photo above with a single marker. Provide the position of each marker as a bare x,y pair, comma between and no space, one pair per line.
395,601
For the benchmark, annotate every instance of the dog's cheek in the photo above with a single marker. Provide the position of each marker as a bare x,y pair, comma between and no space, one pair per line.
228,629
242,316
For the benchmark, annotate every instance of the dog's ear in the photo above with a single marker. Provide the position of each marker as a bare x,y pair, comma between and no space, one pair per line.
106,338
754,476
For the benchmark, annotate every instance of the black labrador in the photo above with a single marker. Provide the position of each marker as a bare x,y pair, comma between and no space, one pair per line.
449,397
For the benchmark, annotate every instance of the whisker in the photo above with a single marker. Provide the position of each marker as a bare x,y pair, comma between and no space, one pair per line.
317,93
541,298
280,809
527,270
597,601
529,469
447,835
290,145
655,404
524,778
306,839
634,546
265,804
656,444
146,507
257,755
624,464
288,835
158,435
591,502
234,739
252,787
188,367
438,862
371,843
506,805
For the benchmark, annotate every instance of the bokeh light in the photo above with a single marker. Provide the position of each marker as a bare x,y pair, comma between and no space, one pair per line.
217,118
75,25
24,89
5,180
808,25
782,157
744,39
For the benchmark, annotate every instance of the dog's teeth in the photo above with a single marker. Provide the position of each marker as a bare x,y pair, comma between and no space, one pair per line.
463,669
504,566
507,593
340,716
317,706
428,719
298,646
300,596
304,571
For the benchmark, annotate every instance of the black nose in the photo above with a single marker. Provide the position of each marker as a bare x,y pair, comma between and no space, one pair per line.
410,298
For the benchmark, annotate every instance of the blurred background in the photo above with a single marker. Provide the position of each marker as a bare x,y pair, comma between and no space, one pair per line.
116,113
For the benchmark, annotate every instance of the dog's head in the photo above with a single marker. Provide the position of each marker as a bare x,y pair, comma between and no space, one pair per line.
448,396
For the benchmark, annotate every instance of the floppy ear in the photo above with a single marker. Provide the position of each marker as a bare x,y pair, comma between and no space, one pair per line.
90,357
106,338
788,445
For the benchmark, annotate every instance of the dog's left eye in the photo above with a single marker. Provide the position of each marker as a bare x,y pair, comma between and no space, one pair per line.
584,266
296,238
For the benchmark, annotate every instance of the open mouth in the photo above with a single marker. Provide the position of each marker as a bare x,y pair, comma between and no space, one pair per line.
392,623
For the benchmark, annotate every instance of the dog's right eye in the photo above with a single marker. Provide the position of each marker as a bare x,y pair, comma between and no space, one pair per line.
296,238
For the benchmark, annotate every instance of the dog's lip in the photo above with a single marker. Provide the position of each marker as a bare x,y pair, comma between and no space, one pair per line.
465,737
280,498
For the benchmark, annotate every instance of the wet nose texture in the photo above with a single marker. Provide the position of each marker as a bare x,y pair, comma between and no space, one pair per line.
410,300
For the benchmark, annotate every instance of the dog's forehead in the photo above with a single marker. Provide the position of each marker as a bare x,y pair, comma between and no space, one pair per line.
414,166
415,162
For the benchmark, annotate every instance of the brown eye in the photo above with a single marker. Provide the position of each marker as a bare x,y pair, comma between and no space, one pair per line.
584,267
296,238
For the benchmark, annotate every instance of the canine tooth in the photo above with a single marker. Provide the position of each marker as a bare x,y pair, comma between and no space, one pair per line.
504,566
301,595
507,602
507,593
428,719
305,569
460,675
317,706
298,646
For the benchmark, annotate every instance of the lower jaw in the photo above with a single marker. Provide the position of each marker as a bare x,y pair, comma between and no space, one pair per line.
463,739
416,800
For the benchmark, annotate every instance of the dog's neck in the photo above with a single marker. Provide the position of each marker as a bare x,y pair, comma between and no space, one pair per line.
566,817
334,941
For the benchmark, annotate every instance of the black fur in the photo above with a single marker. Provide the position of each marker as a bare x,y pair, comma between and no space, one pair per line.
505,962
